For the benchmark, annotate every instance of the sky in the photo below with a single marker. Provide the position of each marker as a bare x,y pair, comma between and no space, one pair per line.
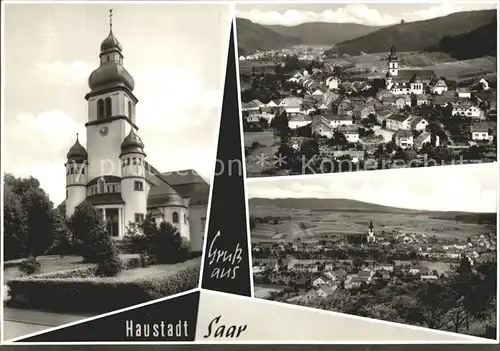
373,14
468,188
176,53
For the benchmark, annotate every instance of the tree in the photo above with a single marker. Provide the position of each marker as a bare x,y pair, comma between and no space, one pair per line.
14,222
98,245
137,241
167,245
309,149
280,123
83,220
62,235
89,230
35,230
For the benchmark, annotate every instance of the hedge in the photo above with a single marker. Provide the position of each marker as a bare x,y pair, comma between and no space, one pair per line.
80,291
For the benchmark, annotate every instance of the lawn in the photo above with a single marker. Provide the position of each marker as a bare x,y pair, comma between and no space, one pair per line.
51,264
80,290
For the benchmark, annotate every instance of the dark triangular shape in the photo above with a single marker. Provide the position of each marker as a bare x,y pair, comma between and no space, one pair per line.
227,228
159,316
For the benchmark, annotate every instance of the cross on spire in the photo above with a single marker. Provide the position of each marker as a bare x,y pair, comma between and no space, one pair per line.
110,19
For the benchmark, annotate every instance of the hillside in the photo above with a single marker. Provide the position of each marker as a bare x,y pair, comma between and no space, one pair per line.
479,42
253,37
314,204
324,33
348,205
415,36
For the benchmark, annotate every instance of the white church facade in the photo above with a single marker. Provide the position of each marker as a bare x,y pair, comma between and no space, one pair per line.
112,173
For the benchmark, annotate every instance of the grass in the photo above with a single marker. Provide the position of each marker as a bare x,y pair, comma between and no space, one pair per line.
72,291
262,292
52,264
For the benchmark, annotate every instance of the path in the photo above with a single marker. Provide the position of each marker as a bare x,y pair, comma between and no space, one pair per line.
19,322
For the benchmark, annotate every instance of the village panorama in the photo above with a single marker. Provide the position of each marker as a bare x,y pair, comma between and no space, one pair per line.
435,269
319,109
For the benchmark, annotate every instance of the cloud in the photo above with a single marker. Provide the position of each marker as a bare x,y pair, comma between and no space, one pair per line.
354,13
64,74
445,188
36,145
178,121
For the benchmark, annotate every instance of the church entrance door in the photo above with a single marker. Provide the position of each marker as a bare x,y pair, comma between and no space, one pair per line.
112,221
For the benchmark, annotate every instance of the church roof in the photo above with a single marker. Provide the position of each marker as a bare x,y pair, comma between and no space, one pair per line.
105,199
77,152
110,43
110,74
106,178
132,144
186,176
408,74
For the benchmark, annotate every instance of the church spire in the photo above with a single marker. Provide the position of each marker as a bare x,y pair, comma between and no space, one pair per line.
110,20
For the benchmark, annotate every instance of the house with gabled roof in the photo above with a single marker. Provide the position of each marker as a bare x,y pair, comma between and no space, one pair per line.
398,121
424,137
403,138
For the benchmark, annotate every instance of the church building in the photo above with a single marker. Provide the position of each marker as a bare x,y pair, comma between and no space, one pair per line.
112,173
406,81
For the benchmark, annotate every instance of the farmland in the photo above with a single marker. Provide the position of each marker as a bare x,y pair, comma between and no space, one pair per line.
342,222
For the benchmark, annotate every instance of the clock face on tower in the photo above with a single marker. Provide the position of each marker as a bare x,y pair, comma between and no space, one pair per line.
104,131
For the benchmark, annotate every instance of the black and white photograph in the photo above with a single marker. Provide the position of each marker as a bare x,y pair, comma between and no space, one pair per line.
334,87
417,247
110,124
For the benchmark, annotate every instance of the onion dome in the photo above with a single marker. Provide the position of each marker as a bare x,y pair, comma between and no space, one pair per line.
110,44
132,144
111,74
77,152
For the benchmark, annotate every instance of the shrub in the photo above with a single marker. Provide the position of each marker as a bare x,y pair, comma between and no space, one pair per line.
167,245
29,266
98,245
71,291
110,266
83,220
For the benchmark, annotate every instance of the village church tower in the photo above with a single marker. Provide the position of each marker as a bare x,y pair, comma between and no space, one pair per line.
112,173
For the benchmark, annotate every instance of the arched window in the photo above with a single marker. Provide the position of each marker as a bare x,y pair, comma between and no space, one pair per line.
134,161
108,107
129,110
100,109
185,219
175,217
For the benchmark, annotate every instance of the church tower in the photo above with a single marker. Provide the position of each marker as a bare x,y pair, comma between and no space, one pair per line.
110,173
393,62
111,109
133,183
76,177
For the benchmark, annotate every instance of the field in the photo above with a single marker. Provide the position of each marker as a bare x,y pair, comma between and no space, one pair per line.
268,148
442,64
247,66
346,222
263,291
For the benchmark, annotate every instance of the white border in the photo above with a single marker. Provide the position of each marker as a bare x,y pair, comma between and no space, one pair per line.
2,106
243,158
2,93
